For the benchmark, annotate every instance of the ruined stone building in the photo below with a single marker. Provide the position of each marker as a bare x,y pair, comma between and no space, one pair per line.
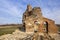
36,27
33,21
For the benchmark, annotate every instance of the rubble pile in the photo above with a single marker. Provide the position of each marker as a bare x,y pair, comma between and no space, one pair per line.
17,35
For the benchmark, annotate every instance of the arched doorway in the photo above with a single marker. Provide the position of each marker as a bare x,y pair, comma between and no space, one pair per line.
46,26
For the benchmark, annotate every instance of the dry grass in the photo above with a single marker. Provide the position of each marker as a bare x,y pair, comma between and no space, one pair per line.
5,29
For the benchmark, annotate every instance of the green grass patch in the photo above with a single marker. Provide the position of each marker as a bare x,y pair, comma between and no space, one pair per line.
59,29
7,30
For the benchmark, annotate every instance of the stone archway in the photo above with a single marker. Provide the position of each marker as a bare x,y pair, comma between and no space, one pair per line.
46,26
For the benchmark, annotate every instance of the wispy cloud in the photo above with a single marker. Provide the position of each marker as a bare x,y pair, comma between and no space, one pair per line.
11,11
7,9
51,9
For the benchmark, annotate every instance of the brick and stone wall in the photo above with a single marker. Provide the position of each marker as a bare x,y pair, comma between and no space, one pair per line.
34,21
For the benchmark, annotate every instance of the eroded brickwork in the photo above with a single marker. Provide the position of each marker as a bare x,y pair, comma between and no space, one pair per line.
34,21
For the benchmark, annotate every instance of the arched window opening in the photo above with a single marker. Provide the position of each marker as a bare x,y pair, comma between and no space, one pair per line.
46,26
37,22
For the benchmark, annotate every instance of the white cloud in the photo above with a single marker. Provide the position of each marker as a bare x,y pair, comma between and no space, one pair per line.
11,9
54,14
50,9
4,20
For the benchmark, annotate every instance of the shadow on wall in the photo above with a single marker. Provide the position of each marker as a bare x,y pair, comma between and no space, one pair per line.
22,28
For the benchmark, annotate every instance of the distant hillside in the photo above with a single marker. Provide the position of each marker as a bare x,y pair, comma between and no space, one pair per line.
11,25
58,25
19,25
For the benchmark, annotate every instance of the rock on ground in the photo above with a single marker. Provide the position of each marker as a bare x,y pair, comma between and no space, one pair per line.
19,35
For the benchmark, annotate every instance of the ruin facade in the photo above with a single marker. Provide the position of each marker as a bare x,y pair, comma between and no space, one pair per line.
33,21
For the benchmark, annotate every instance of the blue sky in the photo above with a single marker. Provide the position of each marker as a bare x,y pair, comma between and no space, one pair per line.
11,11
